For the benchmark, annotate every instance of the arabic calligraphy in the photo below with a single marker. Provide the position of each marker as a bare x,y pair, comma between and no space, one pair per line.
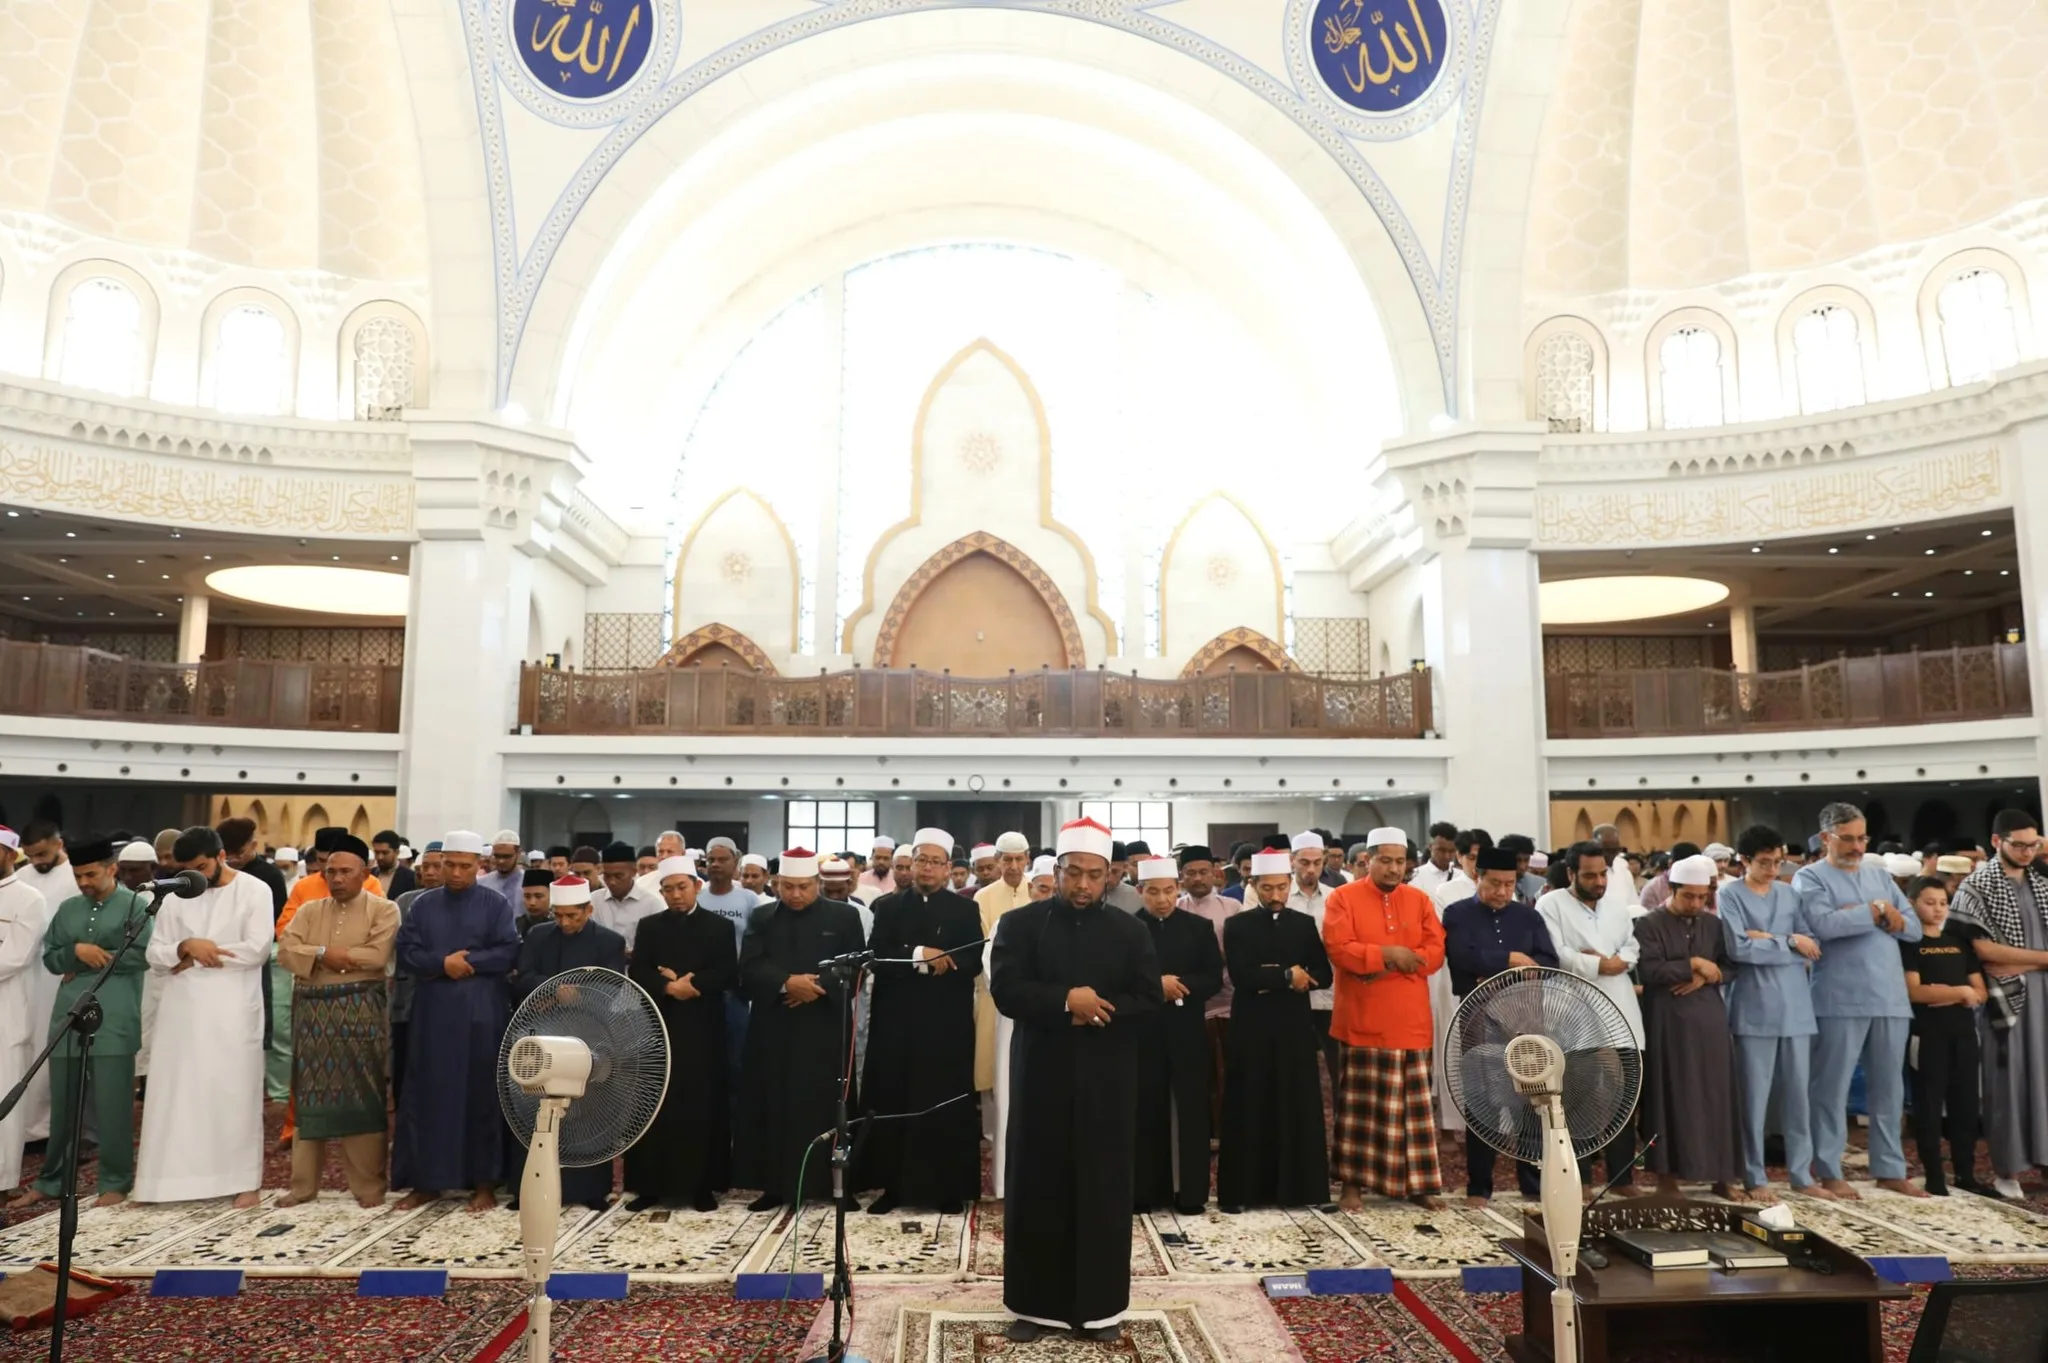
1379,55
583,49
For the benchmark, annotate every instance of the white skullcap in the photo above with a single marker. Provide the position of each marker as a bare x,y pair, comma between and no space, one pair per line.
1381,837
833,866
504,835
1308,841
983,851
405,852
1898,864
1719,851
283,853
1158,868
1044,866
1539,861
1953,865
675,866
1085,835
937,837
1697,870
567,890
142,851
1272,864
462,840
754,859
1013,842
798,863
882,840
11,839
536,857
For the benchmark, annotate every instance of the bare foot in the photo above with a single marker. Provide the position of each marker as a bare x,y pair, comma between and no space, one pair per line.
1731,1192
1761,1193
1477,1204
1428,1202
1667,1186
1899,1185
293,1199
244,1201
27,1197
1628,1189
369,1203
1841,1189
1587,1192
1819,1190
110,1199
482,1200
418,1197
1350,1200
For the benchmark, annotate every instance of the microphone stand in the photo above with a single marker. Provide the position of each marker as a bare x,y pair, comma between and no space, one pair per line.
845,971
84,1020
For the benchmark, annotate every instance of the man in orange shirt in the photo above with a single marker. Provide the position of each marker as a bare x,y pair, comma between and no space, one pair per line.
1384,941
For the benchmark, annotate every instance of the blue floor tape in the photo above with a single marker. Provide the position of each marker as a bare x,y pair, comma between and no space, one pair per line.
1492,1278
196,1282
587,1286
403,1282
1911,1268
1348,1282
777,1286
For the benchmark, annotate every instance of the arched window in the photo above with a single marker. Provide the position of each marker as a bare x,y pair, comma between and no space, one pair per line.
1564,382
1829,358
249,362
1977,327
102,336
1690,379
384,368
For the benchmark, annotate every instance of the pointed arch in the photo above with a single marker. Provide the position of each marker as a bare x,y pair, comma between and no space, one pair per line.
715,636
796,572
1245,638
1272,556
1093,604
314,820
1631,832
981,542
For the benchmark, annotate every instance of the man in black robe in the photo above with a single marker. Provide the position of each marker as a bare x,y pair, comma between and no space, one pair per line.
1073,976
569,942
536,901
797,1038
1274,1150
686,962
1172,1153
921,1045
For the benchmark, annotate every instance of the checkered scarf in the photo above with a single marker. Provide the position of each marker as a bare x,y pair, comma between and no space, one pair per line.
1987,901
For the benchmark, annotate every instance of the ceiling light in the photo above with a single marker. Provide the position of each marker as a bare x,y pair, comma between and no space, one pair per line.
1834,550
14,513
2005,572
1598,600
1927,551
110,577
1930,593
314,587
207,557
70,534
165,576
1969,572
1985,533
1756,548
1870,537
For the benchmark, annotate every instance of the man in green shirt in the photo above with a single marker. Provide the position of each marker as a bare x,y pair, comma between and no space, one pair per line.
88,929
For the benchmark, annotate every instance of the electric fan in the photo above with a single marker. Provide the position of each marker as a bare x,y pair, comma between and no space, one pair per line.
1544,1069
581,1074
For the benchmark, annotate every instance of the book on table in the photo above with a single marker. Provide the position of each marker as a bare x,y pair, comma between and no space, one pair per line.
1662,1248
1729,1250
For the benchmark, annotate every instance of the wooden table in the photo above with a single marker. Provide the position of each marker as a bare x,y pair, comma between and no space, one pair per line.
1762,1315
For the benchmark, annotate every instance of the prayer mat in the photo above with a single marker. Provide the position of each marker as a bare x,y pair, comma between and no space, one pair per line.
446,1234
696,1322
987,1259
109,1237
277,1239
669,1243
28,1301
1852,1229
1252,1243
903,1244
1348,1329
1961,1225
1482,1320
1414,1241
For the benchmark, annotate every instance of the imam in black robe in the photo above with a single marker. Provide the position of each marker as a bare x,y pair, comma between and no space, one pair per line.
686,1152
1274,1151
789,1074
921,1052
1172,1163
547,952
1073,1107
1690,1085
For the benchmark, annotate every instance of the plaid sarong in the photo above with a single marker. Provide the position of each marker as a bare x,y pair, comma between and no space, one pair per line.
340,1036
1386,1127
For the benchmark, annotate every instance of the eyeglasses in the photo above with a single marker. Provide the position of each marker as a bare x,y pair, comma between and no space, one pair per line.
2021,849
1853,838
931,861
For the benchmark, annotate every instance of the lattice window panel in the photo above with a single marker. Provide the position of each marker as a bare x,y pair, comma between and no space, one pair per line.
380,645
1564,382
1600,653
615,640
1333,646
384,368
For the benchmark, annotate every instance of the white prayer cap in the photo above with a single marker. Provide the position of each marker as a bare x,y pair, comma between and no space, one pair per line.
1539,861
1044,866
405,852
1381,837
1715,851
937,837
675,866
1084,835
1013,842
1307,841
142,851
983,851
1273,863
567,890
1697,870
462,840
1898,865
536,857
882,840
1954,864
505,835
754,859
1158,868
798,863
11,839
289,855
834,866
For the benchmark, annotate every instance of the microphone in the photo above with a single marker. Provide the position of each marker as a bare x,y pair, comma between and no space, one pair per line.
848,961
185,885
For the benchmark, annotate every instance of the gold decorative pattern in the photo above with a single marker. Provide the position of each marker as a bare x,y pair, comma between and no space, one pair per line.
679,653
788,542
1790,503
980,542
227,496
1241,637
1272,556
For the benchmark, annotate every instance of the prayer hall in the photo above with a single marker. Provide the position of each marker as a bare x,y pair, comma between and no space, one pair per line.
911,680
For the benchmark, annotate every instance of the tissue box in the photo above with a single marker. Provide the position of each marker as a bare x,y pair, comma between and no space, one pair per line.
1788,1241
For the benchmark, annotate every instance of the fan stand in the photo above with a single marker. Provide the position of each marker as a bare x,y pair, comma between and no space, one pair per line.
540,1212
1563,1215
846,972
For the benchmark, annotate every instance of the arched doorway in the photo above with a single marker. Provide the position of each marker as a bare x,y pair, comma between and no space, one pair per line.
977,616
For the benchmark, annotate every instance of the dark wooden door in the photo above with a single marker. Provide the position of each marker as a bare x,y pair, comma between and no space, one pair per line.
698,834
973,821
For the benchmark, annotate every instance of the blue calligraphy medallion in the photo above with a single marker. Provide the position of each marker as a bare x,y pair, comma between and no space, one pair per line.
583,49
1379,56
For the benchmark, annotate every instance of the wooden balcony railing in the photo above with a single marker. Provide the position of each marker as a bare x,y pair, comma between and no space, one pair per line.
61,681
1880,689
889,703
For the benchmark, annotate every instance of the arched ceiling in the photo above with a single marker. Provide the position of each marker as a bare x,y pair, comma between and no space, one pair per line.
1693,141
264,133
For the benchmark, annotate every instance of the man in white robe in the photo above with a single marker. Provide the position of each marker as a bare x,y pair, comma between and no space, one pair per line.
49,871
202,1128
23,916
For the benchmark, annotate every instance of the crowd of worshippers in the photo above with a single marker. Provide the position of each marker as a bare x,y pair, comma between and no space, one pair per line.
359,979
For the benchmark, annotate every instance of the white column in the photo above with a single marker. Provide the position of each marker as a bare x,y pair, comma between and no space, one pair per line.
825,590
192,627
2030,533
1742,636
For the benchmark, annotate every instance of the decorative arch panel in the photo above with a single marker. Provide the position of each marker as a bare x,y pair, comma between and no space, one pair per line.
980,542
708,642
1244,640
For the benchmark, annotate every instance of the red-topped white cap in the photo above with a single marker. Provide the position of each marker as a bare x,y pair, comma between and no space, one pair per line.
569,890
1084,835
798,863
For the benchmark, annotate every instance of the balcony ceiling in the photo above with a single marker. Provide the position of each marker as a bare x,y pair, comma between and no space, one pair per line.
1850,587
75,573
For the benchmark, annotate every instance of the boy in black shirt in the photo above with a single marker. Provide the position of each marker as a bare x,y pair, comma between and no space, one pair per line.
1946,986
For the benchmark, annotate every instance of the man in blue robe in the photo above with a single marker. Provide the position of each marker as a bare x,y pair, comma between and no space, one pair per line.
459,945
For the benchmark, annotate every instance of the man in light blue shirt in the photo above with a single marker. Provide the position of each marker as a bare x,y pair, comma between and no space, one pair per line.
1770,1007
1857,913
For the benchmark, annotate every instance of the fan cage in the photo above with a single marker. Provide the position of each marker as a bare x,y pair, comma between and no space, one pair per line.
629,1047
